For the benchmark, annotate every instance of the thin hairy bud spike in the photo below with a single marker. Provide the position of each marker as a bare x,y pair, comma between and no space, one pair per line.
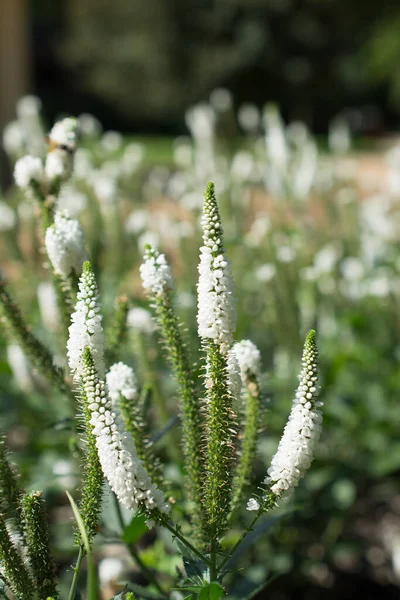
38,546
13,566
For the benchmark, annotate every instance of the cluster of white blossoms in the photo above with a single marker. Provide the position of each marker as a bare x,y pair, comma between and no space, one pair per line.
249,358
62,144
296,448
64,133
65,245
155,272
28,169
216,316
86,330
121,380
62,140
116,449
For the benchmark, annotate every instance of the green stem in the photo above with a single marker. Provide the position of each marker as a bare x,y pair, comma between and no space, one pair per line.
240,540
77,568
213,558
184,541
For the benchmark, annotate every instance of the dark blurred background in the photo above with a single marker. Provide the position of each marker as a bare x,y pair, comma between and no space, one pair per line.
137,65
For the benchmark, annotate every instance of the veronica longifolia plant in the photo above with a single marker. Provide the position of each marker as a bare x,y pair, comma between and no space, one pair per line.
219,412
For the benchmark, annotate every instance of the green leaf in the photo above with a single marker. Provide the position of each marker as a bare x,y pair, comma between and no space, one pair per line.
189,597
134,531
80,523
212,591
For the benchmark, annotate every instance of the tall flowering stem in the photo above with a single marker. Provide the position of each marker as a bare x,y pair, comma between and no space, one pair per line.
157,281
296,449
216,324
12,566
38,547
249,359
37,353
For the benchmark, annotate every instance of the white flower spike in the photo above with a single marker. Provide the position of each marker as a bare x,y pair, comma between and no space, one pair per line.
155,272
117,453
65,247
296,448
86,330
216,316
249,359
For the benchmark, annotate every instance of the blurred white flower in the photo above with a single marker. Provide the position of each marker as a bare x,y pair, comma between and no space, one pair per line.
249,117
200,119
88,125
285,254
326,258
136,221
8,217
339,138
148,238
48,305
242,166
140,319
221,99
72,200
28,106
265,272
110,570
14,138
20,367
352,268
111,141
